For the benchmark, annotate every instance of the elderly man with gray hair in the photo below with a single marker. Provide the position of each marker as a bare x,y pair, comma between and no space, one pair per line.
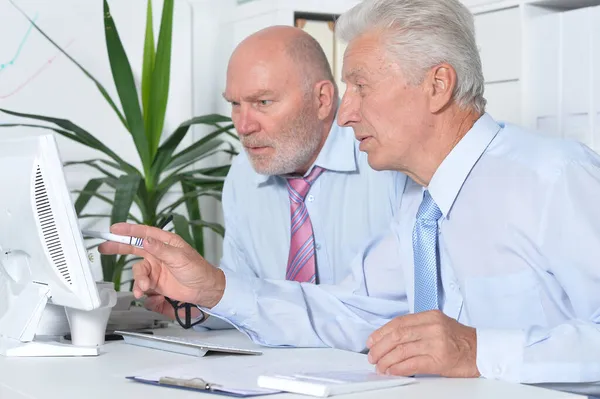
490,267
499,228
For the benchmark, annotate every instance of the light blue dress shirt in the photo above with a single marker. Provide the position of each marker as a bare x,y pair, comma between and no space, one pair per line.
348,204
520,261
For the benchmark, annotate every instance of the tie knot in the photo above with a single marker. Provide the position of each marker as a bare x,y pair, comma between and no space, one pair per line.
428,210
298,188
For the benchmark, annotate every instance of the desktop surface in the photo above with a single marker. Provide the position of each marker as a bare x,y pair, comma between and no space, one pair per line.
104,376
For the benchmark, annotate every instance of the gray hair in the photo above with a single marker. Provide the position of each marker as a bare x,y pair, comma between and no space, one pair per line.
422,34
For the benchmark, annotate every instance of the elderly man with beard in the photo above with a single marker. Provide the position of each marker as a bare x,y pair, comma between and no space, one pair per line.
284,101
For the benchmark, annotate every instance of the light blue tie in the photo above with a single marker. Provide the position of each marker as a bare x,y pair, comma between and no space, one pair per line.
425,248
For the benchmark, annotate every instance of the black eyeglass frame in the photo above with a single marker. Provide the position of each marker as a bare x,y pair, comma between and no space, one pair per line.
187,322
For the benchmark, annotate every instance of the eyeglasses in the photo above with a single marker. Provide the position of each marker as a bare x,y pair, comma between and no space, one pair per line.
187,322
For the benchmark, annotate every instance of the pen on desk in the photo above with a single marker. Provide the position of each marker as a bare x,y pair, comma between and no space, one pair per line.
197,383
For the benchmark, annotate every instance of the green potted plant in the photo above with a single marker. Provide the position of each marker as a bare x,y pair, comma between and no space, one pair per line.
164,166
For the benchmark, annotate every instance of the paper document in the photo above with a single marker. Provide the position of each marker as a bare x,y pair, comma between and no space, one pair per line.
238,375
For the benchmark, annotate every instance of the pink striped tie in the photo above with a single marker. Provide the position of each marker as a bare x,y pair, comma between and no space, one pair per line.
301,262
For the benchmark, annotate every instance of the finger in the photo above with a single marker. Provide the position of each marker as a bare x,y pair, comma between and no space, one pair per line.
161,250
402,353
117,248
412,366
143,276
143,231
409,320
158,304
396,337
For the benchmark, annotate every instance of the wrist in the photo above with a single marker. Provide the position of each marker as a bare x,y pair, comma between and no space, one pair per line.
210,295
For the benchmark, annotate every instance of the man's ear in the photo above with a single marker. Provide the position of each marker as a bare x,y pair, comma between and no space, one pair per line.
441,80
325,96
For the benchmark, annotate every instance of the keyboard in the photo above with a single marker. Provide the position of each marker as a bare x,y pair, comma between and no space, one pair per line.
184,346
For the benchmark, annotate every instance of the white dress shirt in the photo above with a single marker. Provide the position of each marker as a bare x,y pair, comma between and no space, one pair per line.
348,204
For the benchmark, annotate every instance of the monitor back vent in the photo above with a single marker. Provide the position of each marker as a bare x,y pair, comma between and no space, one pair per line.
49,230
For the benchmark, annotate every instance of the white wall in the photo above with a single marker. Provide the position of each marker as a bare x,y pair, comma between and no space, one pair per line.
531,78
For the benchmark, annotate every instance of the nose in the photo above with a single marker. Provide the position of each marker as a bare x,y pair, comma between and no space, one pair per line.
244,121
348,113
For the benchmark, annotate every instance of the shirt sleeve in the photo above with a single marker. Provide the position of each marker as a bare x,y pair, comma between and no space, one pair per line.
287,313
233,258
569,237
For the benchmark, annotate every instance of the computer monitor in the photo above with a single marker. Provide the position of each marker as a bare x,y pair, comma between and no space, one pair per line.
43,258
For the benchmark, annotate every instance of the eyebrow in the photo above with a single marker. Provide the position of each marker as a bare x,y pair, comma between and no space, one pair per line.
252,97
261,93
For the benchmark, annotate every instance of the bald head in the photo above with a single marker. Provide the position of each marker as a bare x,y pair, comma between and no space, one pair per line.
283,99
288,48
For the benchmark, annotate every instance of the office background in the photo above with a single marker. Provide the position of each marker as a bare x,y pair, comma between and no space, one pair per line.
541,61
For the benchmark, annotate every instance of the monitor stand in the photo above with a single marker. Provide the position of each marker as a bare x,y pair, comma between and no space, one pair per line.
20,322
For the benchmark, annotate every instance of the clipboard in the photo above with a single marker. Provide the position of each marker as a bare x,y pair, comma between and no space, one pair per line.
200,385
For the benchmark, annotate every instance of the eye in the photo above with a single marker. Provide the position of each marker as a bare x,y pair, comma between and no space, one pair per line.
264,103
234,104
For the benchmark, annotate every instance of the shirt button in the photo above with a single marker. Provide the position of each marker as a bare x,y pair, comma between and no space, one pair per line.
318,246
233,312
497,370
310,198
452,286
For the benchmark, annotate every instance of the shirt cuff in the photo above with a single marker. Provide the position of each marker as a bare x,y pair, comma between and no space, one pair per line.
500,354
237,303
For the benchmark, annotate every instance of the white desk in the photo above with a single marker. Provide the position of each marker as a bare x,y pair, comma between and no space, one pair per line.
103,377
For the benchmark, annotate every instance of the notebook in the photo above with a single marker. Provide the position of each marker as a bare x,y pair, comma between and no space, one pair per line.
330,383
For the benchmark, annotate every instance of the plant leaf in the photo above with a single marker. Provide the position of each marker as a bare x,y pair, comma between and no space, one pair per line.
127,186
111,178
159,88
186,157
118,271
182,228
148,66
108,266
193,209
64,133
93,215
125,84
94,163
83,137
98,85
166,150
88,190
216,227
96,195
196,193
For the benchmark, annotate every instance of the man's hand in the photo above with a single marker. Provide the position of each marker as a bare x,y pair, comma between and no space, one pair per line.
424,343
170,266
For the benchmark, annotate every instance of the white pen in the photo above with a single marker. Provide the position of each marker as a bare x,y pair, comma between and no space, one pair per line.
135,241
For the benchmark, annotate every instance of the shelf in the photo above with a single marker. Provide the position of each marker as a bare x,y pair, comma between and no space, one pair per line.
564,4
495,6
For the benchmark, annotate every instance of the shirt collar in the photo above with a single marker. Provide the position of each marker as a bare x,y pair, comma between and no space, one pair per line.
454,169
336,155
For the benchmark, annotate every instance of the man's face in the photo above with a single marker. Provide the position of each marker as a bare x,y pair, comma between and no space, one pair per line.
273,114
388,114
